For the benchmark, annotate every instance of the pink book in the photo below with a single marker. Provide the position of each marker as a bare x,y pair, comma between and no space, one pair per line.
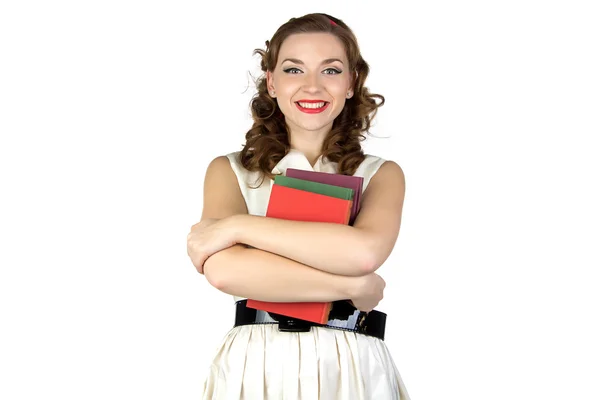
347,181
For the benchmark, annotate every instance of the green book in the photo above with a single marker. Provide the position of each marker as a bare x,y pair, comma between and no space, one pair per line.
315,187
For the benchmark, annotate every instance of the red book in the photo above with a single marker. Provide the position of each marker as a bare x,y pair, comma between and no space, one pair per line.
300,205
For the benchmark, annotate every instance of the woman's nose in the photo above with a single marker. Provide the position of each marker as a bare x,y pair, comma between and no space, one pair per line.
312,82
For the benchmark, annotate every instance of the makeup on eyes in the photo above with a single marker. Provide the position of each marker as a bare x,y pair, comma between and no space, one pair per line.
337,71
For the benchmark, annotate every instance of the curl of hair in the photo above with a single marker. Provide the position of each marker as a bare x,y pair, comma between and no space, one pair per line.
267,141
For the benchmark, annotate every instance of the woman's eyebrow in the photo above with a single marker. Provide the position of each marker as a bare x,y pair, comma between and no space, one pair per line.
326,61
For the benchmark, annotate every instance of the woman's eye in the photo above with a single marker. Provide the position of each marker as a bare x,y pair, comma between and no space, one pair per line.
328,71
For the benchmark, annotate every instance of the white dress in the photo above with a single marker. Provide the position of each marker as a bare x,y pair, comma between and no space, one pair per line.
258,362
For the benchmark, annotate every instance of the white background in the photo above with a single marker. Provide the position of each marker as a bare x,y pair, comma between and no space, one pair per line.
110,112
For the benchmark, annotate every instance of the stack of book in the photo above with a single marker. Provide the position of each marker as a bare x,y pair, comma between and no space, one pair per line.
314,197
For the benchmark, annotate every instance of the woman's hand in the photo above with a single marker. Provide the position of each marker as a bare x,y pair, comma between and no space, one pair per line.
208,237
368,291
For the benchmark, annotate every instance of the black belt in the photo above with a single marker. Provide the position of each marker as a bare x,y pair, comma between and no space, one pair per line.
343,316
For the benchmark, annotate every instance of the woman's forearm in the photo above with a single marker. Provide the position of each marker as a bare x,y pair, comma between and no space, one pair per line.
264,276
335,248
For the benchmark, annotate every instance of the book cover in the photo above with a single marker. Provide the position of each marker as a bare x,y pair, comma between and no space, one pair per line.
320,188
300,205
352,182
315,187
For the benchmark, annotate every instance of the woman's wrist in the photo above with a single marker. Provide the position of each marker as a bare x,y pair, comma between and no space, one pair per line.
350,286
235,225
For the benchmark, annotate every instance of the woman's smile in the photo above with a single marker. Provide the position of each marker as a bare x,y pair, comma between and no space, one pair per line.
311,107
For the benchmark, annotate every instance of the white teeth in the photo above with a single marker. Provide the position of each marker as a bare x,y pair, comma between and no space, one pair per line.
312,105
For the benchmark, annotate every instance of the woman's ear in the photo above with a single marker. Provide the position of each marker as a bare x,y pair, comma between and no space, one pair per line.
353,80
270,86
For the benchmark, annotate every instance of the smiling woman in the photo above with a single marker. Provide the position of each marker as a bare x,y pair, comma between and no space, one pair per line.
313,77
310,112
315,83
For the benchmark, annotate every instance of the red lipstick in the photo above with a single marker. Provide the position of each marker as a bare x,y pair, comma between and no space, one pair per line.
312,110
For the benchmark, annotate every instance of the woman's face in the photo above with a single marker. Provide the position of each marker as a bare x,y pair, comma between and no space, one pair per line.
311,67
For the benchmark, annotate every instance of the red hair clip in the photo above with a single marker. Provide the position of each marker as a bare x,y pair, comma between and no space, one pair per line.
333,23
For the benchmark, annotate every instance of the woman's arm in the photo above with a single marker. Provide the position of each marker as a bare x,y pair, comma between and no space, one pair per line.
335,248
260,274
264,276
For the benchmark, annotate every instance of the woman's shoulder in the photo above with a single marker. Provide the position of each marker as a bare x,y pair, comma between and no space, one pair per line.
373,161
227,164
224,162
232,159
369,166
244,176
374,165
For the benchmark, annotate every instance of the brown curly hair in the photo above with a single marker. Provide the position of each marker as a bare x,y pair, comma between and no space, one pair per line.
267,142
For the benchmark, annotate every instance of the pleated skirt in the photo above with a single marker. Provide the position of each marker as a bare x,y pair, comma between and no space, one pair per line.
258,362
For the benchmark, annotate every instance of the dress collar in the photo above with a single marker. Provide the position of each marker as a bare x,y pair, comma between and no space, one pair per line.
296,159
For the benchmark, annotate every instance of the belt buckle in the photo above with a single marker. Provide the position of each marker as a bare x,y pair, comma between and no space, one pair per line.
287,324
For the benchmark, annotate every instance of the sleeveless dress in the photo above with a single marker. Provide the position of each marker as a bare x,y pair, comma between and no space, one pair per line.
258,362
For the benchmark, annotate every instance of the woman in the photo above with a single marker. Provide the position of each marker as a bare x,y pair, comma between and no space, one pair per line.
310,113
